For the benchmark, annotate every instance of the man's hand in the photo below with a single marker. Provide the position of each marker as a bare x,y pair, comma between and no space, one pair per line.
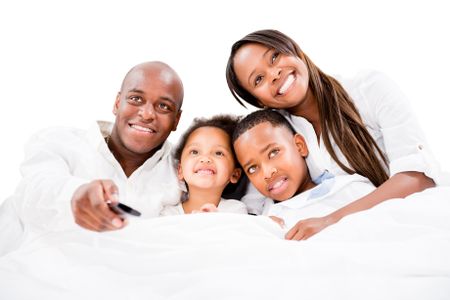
304,229
90,206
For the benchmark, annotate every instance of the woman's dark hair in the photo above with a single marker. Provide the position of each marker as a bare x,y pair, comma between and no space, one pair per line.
227,123
339,118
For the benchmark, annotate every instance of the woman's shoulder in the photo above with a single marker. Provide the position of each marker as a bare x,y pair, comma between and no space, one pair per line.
365,80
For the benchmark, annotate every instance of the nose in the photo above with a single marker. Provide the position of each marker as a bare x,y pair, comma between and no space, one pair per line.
205,159
269,171
147,112
275,74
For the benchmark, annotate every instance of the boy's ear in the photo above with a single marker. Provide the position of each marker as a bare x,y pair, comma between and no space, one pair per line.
235,175
300,142
179,172
116,104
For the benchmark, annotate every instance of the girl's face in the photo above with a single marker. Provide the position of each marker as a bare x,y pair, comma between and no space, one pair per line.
273,159
207,160
276,80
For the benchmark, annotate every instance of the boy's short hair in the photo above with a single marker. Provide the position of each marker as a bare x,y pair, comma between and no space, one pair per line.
225,122
258,117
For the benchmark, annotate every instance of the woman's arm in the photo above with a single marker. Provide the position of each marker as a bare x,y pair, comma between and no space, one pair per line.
400,185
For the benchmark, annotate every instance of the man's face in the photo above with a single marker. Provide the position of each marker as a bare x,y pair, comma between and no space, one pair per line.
147,109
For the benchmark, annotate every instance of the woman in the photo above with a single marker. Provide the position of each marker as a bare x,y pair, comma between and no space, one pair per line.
364,128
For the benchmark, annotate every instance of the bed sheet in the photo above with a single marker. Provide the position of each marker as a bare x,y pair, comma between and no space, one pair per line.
397,250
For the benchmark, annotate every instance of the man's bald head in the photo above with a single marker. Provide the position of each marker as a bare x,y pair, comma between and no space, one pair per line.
157,70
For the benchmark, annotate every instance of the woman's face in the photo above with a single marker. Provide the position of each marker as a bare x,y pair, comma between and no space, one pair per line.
276,80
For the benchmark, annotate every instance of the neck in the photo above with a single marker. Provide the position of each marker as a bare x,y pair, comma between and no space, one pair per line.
198,197
308,109
128,160
306,185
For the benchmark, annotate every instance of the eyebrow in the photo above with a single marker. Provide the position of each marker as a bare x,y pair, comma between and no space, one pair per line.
262,56
261,151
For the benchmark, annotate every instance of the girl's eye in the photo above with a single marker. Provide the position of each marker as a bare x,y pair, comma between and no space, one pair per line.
193,152
220,153
273,153
275,56
258,79
251,170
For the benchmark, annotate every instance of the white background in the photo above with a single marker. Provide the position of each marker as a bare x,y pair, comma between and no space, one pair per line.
62,62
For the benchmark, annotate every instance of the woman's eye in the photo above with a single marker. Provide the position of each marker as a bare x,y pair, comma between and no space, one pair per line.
275,56
273,153
251,170
258,79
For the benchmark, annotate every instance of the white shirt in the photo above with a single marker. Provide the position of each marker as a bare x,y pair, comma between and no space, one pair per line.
225,205
59,160
325,198
388,117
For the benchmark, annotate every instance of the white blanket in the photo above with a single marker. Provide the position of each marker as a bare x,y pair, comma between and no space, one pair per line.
397,250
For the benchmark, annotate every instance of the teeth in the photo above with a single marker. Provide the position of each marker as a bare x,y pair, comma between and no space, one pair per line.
137,127
289,80
205,171
277,184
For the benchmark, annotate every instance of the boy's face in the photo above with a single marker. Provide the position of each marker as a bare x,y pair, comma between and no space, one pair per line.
207,160
273,159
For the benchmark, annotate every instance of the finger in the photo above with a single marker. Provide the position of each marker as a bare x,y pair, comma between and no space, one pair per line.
292,232
111,191
100,214
96,220
298,236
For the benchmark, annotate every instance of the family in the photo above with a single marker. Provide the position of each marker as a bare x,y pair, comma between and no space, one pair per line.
311,129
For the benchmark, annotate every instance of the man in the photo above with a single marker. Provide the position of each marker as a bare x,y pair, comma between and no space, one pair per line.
71,174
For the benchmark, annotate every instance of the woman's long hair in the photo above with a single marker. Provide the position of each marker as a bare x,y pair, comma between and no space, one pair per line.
339,118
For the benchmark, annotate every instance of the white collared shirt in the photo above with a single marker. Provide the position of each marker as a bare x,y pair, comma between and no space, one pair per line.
225,206
59,160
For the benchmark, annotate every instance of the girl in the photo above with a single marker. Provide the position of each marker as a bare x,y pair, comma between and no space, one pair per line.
207,164
363,126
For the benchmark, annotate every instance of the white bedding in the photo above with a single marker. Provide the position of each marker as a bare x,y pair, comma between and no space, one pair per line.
397,250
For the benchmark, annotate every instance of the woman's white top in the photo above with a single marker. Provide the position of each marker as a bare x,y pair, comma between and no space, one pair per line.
388,116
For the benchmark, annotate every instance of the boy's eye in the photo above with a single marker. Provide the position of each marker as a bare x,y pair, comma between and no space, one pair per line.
258,79
251,170
193,152
273,153
219,153
274,56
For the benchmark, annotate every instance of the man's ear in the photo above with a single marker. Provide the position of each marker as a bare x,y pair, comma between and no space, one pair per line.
116,104
179,172
177,119
300,142
235,175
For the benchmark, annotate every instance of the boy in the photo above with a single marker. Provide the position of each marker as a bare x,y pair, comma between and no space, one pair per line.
272,155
